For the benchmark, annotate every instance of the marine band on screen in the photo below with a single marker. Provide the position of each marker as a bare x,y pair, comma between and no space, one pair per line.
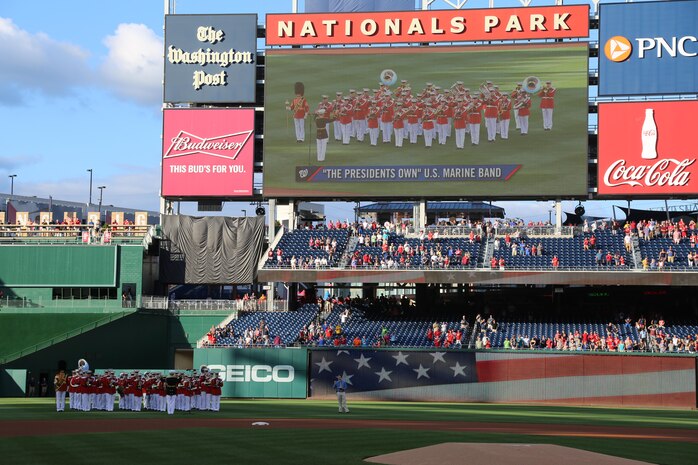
432,113
135,391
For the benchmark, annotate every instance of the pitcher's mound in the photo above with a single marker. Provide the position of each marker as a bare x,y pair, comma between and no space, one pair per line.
463,453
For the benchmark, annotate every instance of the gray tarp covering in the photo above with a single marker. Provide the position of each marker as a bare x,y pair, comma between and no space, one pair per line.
210,249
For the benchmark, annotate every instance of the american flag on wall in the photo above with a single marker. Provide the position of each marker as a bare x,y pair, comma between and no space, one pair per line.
523,376
376,370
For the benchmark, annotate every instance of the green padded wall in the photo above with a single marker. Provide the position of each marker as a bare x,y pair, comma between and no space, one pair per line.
58,266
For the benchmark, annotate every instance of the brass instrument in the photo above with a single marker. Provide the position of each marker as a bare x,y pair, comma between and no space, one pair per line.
485,90
532,84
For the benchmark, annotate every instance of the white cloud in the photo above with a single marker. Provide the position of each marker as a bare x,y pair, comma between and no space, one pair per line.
133,66
38,63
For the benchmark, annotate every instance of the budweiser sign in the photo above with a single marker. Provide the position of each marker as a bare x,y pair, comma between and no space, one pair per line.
208,153
645,148
227,146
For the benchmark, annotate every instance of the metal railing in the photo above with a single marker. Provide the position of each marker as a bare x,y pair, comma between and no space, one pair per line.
464,231
88,303
238,305
71,234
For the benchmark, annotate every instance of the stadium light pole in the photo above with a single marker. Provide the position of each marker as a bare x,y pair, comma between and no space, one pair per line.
12,184
90,201
101,191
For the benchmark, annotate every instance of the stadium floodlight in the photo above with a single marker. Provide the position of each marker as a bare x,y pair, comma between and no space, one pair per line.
101,191
90,201
12,184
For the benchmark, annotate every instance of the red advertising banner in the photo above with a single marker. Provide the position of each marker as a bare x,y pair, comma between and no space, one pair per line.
648,148
550,22
207,152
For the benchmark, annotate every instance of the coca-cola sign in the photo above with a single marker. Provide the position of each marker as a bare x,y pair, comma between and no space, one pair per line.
647,149
208,152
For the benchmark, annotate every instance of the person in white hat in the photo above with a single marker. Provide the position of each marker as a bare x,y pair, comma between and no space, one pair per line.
475,118
516,95
322,122
547,103
334,112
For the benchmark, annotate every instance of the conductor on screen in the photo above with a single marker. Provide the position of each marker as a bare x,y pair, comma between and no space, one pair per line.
300,108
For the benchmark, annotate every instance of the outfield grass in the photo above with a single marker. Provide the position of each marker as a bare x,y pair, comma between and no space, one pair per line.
350,446
553,162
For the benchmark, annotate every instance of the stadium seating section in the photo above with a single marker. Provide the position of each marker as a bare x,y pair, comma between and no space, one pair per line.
412,332
570,251
296,244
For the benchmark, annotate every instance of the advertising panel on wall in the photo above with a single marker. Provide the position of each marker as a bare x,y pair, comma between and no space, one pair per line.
548,22
390,373
258,372
648,149
207,152
426,121
442,375
210,58
648,48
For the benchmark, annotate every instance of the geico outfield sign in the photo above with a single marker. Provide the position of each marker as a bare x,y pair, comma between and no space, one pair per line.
261,373
255,373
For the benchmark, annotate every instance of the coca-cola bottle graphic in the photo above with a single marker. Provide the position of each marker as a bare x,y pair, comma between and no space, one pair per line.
649,136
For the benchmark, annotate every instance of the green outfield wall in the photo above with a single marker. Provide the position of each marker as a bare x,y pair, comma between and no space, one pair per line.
58,266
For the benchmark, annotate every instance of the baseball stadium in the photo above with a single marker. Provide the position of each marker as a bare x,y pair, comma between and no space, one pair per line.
432,327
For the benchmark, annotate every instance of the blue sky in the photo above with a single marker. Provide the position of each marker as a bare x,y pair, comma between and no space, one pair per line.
81,88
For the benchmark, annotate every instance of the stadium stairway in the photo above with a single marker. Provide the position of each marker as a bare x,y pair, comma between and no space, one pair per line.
33,340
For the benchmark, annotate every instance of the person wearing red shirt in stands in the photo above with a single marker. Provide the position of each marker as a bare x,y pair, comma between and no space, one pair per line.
555,261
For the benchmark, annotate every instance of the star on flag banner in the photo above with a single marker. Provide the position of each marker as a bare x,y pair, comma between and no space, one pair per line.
371,370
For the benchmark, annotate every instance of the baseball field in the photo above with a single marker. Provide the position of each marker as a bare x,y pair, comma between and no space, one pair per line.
305,431
549,162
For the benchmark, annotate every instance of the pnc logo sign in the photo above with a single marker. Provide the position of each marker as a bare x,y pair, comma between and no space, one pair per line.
618,49
255,373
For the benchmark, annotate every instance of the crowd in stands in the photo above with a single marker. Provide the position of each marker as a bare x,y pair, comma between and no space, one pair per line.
250,337
622,337
442,335
90,231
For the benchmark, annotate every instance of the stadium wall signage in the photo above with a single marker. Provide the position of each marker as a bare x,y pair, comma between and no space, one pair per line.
428,26
258,372
645,148
648,48
516,376
210,58
207,152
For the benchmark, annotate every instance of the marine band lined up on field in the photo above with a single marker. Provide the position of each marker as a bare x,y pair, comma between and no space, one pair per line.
184,391
434,114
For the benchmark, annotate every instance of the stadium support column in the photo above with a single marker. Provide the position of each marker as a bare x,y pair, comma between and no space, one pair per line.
558,216
271,235
292,215
271,230
421,220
